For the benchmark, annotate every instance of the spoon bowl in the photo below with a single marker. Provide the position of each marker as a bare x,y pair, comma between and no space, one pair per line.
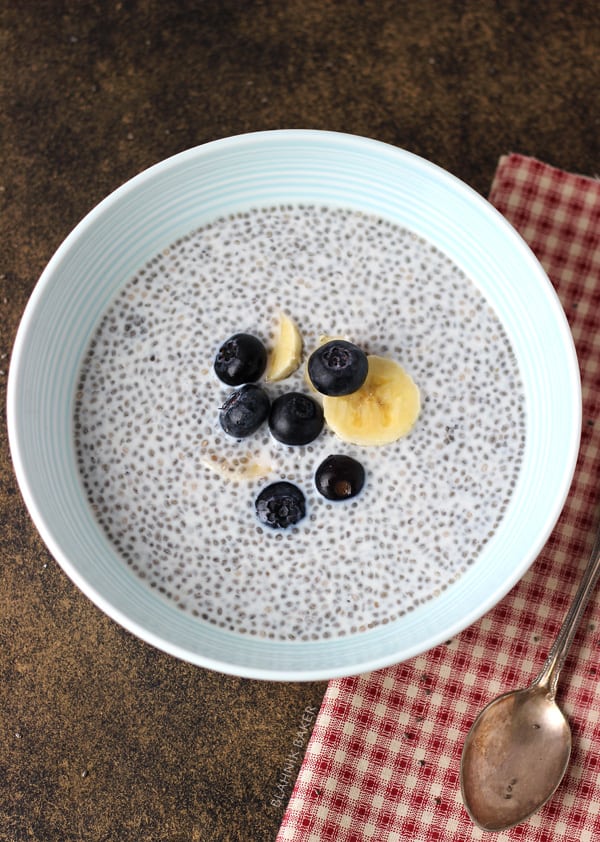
517,750
514,758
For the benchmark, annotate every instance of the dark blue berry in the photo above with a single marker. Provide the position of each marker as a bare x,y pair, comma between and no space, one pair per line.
295,418
241,359
337,368
280,504
244,411
339,477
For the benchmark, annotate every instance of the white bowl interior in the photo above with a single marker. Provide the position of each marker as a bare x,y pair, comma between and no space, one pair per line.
180,194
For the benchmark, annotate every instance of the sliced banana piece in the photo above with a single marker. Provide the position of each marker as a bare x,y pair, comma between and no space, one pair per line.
383,410
243,468
285,357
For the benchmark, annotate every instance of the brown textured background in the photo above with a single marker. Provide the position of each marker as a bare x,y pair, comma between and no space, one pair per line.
101,737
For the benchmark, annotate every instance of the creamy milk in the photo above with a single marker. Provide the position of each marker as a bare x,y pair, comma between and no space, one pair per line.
176,495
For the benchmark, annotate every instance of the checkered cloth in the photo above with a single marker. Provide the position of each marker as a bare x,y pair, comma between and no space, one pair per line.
383,760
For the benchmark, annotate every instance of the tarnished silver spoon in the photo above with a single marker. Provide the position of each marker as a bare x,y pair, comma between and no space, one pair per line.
518,748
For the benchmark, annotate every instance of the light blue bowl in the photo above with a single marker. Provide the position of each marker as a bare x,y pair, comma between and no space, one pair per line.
178,195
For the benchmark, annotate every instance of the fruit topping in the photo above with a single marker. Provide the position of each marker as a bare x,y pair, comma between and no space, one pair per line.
241,359
295,418
244,411
337,368
280,504
244,467
383,410
339,477
285,357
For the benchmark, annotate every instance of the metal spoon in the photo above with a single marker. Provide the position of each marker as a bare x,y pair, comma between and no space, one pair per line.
518,748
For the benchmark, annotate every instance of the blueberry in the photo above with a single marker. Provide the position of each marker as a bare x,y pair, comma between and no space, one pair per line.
295,418
244,411
339,477
337,368
280,504
241,359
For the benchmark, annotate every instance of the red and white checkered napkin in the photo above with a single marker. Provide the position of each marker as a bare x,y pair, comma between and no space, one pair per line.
383,760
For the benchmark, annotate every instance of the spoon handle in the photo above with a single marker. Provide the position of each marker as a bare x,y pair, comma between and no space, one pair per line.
550,672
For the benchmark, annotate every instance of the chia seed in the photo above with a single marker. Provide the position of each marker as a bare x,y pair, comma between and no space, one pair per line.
176,497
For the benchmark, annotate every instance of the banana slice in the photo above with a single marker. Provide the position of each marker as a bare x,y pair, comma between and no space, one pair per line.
383,410
285,357
244,468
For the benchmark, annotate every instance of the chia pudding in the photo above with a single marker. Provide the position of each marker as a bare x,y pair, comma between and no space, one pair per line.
175,495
